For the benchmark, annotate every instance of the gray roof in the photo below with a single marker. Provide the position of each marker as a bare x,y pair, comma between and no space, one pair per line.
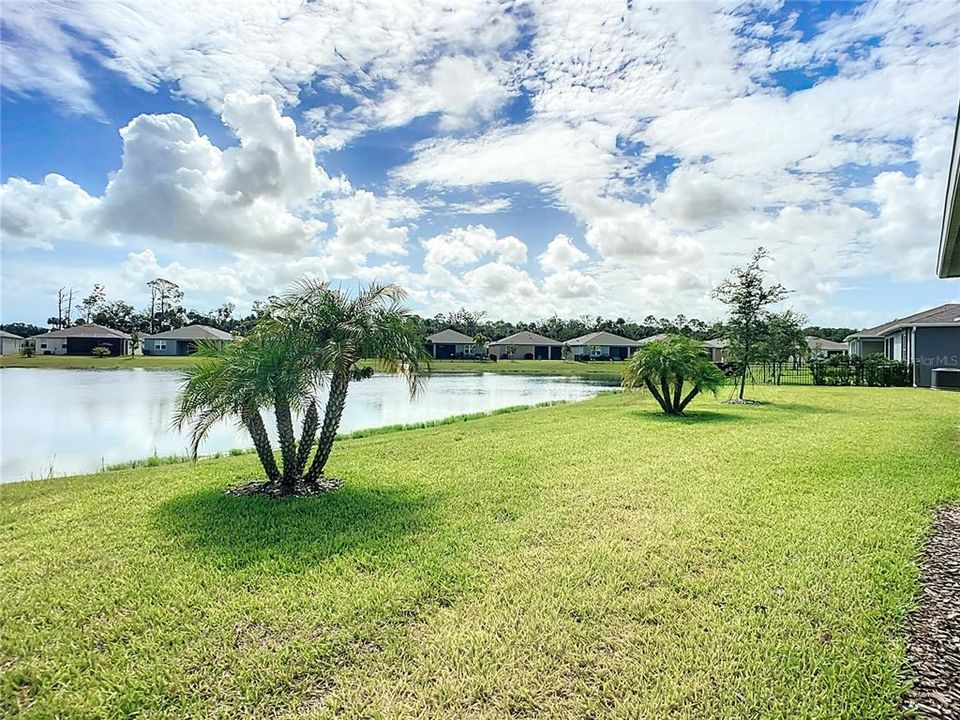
9,335
450,336
602,338
653,338
942,315
86,330
525,337
715,343
193,332
819,343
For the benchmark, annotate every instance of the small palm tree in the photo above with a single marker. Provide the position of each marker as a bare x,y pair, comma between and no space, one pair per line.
340,330
479,343
664,366
314,335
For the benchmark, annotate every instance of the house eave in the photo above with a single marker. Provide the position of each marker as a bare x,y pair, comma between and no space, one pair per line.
948,265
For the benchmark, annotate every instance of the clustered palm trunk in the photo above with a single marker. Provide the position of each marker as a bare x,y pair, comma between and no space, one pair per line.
314,336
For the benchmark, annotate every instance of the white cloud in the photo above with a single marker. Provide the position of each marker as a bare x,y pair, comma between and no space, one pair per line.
365,227
467,245
35,215
571,284
561,254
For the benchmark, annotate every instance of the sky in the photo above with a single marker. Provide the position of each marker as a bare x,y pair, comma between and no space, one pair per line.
520,158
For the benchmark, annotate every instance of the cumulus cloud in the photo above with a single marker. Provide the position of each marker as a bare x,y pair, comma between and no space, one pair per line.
467,245
175,185
561,254
37,214
365,227
571,284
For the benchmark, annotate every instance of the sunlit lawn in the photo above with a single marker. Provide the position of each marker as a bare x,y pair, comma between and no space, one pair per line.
586,560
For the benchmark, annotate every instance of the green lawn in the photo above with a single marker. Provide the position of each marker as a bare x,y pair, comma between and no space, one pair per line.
520,367
585,560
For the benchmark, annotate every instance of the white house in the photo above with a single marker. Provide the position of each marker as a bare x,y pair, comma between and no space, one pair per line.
10,344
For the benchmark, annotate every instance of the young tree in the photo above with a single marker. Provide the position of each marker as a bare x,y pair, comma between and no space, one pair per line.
479,343
664,367
511,351
749,300
782,340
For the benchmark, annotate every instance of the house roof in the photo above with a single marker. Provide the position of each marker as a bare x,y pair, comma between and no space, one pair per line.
525,337
450,336
947,315
715,343
653,338
819,343
193,332
9,335
602,338
86,330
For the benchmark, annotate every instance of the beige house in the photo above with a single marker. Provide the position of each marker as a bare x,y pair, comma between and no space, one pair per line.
526,345
10,344
717,348
449,344
602,346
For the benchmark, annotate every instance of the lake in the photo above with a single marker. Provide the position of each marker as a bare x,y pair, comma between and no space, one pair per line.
64,422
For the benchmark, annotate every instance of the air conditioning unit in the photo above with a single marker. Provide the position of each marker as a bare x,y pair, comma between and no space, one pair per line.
946,379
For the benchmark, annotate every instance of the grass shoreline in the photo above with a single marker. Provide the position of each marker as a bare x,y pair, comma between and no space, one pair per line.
591,559
601,370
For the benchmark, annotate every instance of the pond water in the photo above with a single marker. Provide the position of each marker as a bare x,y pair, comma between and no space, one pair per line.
60,422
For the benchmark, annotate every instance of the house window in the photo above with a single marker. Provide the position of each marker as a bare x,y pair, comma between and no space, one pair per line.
159,344
43,346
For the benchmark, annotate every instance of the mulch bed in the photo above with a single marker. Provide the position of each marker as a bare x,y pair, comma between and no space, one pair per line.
302,489
933,640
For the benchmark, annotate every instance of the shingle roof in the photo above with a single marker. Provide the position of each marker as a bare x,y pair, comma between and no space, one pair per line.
9,335
819,343
602,338
948,314
87,330
653,338
193,332
525,337
450,336
715,343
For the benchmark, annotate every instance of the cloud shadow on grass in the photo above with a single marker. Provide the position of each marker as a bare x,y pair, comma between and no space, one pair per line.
292,535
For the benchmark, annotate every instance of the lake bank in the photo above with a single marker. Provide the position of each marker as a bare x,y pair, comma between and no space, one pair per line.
592,558
608,370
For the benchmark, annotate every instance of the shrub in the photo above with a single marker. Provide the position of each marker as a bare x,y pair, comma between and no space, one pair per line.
27,350
100,351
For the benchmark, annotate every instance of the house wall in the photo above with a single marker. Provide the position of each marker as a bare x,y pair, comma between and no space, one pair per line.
51,346
603,352
539,352
10,346
451,350
935,347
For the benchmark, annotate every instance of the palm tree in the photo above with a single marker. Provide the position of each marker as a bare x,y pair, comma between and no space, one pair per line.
664,366
479,343
270,368
340,330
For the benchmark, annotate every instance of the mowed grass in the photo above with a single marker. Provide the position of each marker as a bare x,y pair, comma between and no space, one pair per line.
582,560
88,362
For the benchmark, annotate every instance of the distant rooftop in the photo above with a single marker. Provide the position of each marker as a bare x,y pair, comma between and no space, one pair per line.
193,332
86,330
450,336
525,337
602,338
948,314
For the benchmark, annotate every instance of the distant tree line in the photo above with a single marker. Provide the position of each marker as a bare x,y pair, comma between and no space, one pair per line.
167,311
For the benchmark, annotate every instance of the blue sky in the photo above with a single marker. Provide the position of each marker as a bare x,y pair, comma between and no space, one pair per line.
524,159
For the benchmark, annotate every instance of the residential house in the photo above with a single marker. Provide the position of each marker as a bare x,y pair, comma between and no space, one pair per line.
81,340
601,346
822,348
949,259
717,348
449,343
927,340
183,340
10,344
526,345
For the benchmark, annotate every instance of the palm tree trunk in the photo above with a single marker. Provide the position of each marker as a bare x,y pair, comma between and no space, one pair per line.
288,441
677,390
331,422
261,441
690,396
657,396
665,389
307,435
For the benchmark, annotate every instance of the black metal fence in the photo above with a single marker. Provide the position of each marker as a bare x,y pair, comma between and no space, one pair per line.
835,371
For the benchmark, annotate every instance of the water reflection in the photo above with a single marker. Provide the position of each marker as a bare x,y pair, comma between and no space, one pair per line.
73,421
